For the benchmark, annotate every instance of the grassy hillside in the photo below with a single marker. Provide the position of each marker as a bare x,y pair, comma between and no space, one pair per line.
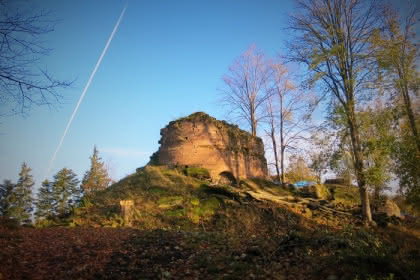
184,227
169,199
185,199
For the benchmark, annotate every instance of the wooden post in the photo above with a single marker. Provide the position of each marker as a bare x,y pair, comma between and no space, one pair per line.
126,211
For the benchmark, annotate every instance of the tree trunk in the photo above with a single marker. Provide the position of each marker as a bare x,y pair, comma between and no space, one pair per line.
253,123
358,164
282,147
276,158
364,196
411,118
282,164
403,88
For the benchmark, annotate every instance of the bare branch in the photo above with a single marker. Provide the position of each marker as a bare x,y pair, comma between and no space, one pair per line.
245,88
22,82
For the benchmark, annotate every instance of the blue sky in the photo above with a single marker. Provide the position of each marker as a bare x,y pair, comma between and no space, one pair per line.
165,61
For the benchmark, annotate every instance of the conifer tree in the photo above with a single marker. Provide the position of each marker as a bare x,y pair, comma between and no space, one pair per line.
6,190
65,192
21,197
45,201
96,178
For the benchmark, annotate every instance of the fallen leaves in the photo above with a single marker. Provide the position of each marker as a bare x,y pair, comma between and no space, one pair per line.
125,253
107,253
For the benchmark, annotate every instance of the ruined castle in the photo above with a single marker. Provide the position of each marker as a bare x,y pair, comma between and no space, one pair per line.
200,140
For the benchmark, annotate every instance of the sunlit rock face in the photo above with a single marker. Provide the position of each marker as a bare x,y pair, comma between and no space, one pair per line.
202,141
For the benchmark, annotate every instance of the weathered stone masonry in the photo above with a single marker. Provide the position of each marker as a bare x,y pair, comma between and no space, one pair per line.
202,141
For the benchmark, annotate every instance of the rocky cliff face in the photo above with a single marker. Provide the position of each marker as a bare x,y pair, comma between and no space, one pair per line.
202,141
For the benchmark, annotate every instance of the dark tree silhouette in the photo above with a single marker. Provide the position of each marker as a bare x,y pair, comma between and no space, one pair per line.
23,82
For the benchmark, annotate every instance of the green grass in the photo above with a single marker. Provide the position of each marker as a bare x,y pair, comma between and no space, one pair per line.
163,198
183,199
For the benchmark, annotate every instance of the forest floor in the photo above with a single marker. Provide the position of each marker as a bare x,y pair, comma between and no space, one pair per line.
125,253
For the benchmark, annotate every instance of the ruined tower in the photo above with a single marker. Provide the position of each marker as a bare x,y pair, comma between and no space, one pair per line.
202,141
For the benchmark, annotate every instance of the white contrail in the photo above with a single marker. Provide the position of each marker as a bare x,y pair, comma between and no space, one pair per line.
86,88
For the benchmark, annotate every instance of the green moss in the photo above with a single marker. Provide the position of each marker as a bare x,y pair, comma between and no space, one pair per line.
170,201
180,212
205,210
195,201
197,172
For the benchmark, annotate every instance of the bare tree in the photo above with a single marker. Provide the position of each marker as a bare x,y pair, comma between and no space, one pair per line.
22,82
244,93
332,40
271,132
288,112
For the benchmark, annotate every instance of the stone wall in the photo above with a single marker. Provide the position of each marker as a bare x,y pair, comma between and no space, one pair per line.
202,141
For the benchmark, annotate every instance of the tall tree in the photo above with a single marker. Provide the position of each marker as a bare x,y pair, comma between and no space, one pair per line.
96,178
396,52
66,192
332,40
22,81
45,201
272,133
21,198
6,190
245,88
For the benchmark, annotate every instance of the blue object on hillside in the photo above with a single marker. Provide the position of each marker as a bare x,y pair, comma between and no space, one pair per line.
304,184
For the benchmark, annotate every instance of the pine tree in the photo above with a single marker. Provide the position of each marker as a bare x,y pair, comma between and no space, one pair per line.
65,192
21,197
96,178
6,190
45,201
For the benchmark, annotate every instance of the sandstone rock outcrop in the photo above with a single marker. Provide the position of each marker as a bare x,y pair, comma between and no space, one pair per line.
202,141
